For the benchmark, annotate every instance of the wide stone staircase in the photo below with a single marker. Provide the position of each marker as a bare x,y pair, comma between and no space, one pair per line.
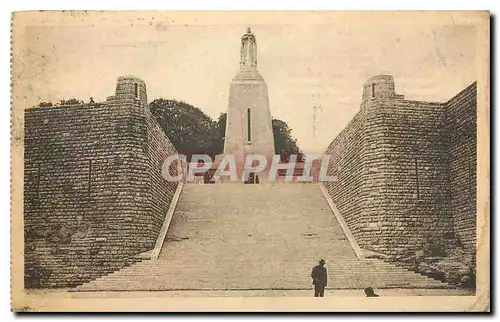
255,237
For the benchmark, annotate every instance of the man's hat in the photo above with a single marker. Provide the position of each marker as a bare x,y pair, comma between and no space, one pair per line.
322,261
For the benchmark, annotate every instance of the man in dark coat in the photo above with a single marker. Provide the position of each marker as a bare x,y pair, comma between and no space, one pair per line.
370,292
320,279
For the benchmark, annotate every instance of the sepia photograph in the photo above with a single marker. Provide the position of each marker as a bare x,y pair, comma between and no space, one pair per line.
314,161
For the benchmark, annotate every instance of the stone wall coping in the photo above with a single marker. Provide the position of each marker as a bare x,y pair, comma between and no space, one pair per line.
168,218
469,89
350,237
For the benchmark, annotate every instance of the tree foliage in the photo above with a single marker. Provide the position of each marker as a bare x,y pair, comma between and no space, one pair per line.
45,104
71,101
284,144
189,129
219,134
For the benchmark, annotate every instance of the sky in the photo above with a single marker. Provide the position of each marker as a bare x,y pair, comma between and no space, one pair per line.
309,62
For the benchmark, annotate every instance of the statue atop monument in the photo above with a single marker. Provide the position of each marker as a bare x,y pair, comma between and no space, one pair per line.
248,50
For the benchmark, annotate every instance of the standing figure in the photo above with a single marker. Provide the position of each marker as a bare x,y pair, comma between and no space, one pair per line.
320,279
369,292
248,50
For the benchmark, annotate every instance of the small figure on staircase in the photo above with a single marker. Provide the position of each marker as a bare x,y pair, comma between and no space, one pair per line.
370,292
320,279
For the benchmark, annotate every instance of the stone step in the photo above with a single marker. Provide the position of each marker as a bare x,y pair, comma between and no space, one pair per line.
259,268
234,285
339,279
312,261
178,267
287,271
254,284
241,283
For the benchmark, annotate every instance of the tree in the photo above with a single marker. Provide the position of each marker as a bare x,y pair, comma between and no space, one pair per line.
63,102
220,130
71,101
189,129
45,104
284,144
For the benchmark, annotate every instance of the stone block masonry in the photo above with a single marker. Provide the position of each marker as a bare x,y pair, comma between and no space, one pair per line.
407,174
462,127
93,195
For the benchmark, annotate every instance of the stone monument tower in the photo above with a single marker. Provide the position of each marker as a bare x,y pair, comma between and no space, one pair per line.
248,127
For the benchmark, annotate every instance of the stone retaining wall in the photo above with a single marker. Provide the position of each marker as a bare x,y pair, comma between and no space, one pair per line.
94,197
407,174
